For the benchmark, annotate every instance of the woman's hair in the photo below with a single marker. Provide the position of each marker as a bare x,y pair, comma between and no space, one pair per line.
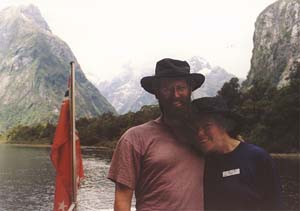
228,124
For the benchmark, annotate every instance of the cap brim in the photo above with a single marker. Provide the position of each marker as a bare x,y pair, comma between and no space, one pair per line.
149,83
227,114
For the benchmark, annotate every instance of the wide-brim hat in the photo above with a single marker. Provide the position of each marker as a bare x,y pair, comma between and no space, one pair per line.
171,68
215,105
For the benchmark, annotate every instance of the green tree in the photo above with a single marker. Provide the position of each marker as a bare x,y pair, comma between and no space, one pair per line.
230,92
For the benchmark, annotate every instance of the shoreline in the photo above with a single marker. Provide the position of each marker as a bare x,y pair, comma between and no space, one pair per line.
27,145
49,146
292,155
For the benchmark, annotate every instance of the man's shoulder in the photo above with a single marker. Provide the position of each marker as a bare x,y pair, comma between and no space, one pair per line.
141,136
147,126
144,130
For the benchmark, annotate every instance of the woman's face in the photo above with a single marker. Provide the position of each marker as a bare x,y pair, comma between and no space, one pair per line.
210,135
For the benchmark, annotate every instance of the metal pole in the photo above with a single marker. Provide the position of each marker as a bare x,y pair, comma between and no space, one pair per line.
72,207
73,135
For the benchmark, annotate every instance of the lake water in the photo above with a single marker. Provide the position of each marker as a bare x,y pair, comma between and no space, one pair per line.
27,180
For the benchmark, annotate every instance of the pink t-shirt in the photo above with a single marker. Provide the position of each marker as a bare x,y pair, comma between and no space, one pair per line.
165,174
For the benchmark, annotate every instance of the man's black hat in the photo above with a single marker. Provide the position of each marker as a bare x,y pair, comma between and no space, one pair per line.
171,68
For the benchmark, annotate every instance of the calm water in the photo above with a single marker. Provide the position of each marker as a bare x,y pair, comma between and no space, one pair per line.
27,180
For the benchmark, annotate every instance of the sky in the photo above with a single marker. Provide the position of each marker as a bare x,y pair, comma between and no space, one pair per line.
107,35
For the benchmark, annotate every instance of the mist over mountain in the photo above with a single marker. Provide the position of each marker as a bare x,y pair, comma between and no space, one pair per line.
125,93
34,72
215,77
276,52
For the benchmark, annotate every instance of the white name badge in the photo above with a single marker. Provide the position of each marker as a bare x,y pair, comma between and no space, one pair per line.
231,172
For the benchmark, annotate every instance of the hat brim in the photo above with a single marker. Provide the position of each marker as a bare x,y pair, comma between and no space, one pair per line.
227,114
149,83
237,118
233,116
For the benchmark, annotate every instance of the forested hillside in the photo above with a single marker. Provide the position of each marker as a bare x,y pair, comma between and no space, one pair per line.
271,119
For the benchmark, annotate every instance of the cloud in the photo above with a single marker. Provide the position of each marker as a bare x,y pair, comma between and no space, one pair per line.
104,35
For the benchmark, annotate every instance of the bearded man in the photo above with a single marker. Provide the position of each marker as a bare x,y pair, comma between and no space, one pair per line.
149,161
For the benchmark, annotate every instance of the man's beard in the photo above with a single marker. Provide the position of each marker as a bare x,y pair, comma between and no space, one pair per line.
178,120
175,113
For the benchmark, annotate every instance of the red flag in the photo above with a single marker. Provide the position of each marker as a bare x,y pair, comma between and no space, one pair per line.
61,156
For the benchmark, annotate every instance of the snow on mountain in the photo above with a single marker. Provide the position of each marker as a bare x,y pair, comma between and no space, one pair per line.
199,64
214,81
125,93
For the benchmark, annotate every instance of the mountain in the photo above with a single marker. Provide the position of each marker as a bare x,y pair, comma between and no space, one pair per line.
215,77
276,40
125,93
34,71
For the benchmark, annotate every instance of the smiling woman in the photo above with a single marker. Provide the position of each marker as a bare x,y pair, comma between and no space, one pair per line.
238,175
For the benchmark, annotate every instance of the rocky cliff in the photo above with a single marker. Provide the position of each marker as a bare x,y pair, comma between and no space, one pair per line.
276,40
34,70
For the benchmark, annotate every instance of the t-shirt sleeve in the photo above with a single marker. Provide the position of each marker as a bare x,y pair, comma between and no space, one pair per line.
125,164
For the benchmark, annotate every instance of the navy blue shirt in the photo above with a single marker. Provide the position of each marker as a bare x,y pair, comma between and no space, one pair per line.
244,179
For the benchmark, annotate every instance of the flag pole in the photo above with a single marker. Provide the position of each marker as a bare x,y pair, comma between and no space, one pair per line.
73,135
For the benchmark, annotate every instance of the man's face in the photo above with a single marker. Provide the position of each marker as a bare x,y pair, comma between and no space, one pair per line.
174,96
